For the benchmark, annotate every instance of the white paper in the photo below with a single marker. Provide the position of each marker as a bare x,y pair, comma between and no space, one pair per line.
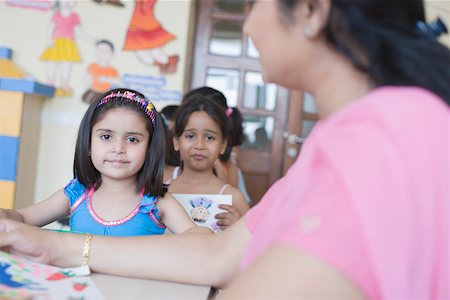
202,208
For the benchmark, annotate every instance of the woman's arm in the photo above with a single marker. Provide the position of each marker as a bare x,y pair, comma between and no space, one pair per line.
11,214
204,259
175,217
284,272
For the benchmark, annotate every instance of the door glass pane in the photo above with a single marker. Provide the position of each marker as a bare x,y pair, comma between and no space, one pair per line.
307,126
257,94
226,38
258,132
251,49
226,81
229,6
309,106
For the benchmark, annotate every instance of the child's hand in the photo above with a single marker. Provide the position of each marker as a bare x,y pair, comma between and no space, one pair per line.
226,219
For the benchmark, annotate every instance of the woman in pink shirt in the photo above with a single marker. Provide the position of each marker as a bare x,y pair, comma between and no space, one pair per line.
365,210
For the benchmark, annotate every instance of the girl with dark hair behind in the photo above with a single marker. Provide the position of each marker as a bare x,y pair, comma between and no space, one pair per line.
200,136
364,211
118,171
226,167
172,157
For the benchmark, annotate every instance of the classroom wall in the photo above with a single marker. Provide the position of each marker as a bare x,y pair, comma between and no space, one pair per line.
24,28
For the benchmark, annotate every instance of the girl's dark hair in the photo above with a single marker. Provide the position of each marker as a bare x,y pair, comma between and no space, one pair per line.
200,103
172,156
106,42
235,127
169,111
234,120
208,93
380,37
150,176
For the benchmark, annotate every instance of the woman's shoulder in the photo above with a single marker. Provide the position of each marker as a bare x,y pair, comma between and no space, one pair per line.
228,189
387,111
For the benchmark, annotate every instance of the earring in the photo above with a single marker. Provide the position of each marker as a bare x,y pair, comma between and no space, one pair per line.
307,31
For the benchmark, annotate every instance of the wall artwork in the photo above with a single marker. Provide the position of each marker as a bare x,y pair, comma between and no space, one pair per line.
43,5
117,3
100,75
67,40
146,37
62,50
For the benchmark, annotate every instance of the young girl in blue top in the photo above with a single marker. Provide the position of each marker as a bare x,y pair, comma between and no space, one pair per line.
118,174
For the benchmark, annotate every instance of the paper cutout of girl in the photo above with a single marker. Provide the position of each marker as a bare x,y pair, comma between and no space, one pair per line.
146,36
101,76
62,50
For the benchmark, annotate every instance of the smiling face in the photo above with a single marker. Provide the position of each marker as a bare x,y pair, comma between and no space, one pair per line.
201,142
119,143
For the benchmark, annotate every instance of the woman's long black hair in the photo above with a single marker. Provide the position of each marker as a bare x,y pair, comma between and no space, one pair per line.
381,38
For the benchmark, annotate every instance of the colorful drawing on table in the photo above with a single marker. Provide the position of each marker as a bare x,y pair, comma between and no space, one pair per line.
24,279
202,208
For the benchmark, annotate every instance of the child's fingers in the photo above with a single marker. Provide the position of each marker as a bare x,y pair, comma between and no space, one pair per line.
230,209
225,222
225,206
224,215
226,219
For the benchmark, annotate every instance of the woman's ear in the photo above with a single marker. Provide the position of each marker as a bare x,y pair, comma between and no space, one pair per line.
176,143
313,15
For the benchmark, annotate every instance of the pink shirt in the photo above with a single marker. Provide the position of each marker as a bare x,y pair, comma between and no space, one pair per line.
369,195
64,26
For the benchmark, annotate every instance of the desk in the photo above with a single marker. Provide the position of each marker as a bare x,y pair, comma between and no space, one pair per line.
115,287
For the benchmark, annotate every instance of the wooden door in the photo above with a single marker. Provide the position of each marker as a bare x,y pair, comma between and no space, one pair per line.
225,59
302,117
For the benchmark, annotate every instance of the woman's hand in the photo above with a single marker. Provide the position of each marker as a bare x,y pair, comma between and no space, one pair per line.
11,214
28,241
226,219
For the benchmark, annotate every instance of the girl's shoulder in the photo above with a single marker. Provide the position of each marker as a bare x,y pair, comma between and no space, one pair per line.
228,189
74,190
163,202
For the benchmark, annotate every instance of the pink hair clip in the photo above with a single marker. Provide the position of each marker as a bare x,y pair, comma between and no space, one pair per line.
229,111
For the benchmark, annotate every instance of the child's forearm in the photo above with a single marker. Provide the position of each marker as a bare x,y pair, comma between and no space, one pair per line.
11,214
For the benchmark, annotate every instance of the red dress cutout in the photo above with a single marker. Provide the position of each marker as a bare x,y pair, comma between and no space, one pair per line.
144,31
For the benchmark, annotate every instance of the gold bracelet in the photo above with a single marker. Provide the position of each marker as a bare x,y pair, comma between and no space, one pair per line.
86,249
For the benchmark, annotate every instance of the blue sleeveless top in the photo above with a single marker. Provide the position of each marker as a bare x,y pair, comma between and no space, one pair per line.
143,220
